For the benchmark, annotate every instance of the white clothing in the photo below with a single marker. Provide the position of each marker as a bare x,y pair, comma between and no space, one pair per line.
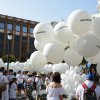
80,90
39,82
12,91
5,95
25,77
19,78
10,77
54,93
1,74
47,81
32,79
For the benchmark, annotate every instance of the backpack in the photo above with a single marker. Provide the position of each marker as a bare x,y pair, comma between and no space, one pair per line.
89,93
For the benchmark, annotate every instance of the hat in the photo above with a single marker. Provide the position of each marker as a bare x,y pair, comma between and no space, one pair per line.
89,76
38,75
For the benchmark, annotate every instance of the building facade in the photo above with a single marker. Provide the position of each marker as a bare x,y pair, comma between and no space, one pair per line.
22,43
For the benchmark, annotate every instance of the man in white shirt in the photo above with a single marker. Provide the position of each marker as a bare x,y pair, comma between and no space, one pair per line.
89,83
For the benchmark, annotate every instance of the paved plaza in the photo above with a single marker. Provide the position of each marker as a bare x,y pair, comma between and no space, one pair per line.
34,96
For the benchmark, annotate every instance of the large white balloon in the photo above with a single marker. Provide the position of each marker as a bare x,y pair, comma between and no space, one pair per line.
71,57
43,32
37,59
54,52
95,59
63,33
79,21
88,45
96,26
39,46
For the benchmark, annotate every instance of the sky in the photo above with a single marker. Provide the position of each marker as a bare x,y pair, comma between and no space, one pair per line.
45,10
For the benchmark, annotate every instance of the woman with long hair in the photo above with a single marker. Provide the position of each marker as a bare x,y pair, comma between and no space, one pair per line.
55,90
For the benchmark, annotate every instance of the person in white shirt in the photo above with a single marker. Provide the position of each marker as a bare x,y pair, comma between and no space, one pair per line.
12,89
30,86
19,77
39,82
25,78
48,79
10,76
54,90
89,83
5,95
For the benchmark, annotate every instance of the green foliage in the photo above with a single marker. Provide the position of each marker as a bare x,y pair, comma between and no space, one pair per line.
12,58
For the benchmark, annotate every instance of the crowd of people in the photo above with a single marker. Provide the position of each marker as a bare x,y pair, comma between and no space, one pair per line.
16,82
30,81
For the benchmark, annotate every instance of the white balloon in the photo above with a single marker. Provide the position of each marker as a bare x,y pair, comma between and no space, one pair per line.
60,67
73,43
96,26
72,57
54,52
67,88
95,59
76,84
63,33
48,68
88,45
37,59
43,32
76,77
17,63
79,21
62,76
39,46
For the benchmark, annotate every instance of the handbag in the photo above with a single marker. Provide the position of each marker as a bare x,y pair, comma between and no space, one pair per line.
2,87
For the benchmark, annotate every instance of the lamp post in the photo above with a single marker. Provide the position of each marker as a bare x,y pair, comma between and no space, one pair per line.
9,37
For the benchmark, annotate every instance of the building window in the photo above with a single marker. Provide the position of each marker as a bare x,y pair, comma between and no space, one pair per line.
31,47
16,45
31,30
9,26
2,25
24,29
17,28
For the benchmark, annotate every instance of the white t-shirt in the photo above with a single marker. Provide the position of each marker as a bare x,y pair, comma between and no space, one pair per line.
25,77
19,78
38,81
10,77
12,91
80,90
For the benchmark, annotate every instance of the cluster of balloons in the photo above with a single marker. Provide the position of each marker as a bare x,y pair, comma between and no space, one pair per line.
69,40
71,79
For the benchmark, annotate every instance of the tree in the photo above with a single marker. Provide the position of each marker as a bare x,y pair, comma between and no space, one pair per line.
11,58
